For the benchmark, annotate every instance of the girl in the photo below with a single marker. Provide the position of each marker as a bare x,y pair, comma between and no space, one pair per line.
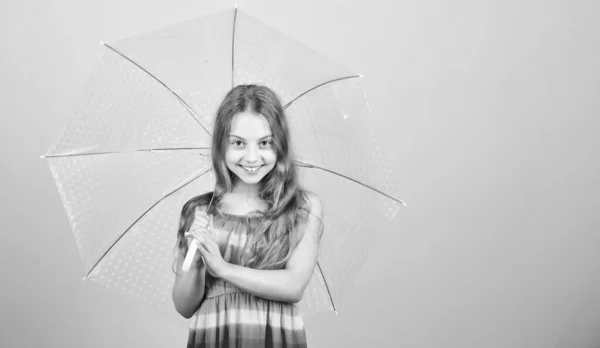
257,233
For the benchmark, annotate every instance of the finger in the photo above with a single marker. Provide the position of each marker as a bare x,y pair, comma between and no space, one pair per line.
197,233
209,244
188,236
202,253
210,240
202,249
200,223
200,214
199,210
198,228
201,217
201,230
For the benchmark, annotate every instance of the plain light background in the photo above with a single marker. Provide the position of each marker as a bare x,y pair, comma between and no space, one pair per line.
488,111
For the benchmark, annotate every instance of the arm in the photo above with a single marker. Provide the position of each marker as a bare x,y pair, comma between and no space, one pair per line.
287,284
188,290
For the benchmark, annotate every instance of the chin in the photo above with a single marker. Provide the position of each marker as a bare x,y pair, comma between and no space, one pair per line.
250,181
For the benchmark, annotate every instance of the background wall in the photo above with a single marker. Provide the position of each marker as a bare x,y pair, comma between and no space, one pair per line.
489,114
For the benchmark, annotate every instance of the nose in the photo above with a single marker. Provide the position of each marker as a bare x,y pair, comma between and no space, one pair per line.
251,155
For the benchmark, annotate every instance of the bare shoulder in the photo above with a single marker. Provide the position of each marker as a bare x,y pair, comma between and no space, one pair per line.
314,217
315,204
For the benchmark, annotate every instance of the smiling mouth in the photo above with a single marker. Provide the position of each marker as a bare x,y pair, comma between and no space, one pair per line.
250,169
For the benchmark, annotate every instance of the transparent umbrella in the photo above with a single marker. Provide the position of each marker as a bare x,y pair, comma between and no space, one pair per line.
138,147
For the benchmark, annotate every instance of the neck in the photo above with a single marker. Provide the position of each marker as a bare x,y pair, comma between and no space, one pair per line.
248,190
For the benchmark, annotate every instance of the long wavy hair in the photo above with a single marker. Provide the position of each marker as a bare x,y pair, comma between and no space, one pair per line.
278,233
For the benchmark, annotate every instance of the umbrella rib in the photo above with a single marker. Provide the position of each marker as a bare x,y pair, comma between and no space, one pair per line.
189,109
308,165
233,46
320,85
77,154
182,185
326,286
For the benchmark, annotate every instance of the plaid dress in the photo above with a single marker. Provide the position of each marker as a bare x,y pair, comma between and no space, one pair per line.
230,317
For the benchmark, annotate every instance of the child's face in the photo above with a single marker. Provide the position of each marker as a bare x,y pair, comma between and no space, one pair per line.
250,153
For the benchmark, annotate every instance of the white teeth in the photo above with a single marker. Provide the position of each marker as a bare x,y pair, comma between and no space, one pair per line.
250,169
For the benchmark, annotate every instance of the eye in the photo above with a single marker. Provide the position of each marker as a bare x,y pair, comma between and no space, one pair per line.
237,143
266,143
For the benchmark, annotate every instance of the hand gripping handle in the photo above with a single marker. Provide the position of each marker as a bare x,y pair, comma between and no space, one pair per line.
189,257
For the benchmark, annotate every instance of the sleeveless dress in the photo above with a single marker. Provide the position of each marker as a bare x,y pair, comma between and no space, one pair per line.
230,317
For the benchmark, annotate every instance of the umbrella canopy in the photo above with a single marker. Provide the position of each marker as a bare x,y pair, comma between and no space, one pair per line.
138,147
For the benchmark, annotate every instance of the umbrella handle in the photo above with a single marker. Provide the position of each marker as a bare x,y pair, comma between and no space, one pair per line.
189,257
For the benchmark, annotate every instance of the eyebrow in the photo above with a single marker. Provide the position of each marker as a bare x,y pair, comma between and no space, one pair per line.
237,136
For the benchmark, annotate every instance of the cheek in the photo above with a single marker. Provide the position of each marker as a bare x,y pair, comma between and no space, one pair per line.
270,156
231,156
